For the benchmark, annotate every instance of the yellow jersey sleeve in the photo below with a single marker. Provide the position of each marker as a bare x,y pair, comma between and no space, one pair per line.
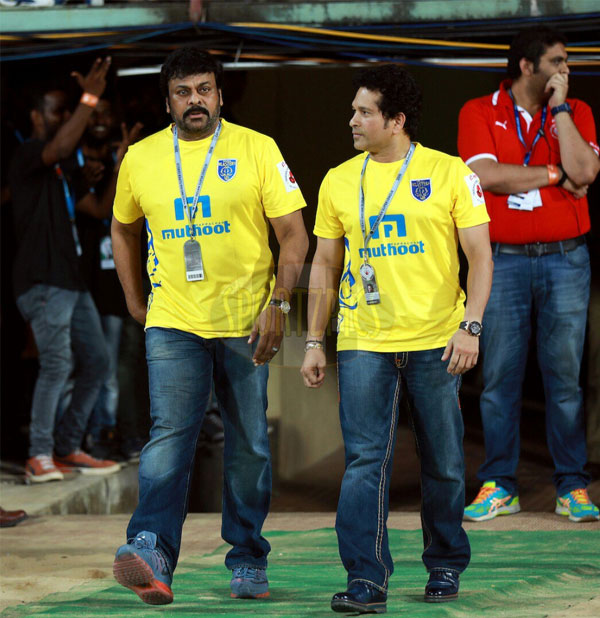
125,209
280,192
469,204
327,223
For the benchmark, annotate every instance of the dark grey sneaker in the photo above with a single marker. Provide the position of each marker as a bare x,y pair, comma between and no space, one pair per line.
249,583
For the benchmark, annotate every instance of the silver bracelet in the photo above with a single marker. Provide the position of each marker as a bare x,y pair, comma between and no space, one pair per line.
313,345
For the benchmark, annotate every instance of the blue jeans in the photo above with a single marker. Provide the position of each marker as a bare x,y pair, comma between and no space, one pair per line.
555,290
181,369
105,410
67,331
371,385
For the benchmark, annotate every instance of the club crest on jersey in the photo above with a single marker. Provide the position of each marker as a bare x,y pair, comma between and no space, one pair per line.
421,189
226,168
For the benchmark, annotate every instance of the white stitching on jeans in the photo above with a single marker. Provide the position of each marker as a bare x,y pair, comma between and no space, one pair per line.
380,522
370,583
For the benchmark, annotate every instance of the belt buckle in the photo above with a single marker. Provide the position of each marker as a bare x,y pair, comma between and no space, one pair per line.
537,249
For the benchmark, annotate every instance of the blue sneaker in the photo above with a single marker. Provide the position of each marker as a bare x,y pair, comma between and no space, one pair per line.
249,583
491,500
140,567
578,506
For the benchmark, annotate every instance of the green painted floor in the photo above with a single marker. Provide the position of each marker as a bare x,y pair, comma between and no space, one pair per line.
516,574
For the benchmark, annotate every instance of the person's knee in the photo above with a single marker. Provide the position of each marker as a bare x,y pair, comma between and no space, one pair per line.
56,364
95,363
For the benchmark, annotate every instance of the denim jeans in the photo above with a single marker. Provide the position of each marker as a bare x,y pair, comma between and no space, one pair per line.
554,289
105,410
67,331
371,385
181,369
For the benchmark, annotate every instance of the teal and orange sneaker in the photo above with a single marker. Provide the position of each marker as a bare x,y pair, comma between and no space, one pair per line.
141,567
491,500
577,506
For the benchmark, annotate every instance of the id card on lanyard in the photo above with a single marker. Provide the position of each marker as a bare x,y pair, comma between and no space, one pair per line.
70,201
532,199
192,255
366,270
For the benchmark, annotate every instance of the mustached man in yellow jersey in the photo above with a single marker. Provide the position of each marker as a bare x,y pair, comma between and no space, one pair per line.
206,190
388,225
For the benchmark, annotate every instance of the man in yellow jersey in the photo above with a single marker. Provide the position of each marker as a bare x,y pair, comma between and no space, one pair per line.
388,225
206,191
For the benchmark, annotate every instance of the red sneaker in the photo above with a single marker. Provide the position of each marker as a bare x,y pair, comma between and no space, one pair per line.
40,469
78,461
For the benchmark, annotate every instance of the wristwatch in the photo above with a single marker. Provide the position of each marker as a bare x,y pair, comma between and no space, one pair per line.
282,305
472,327
563,107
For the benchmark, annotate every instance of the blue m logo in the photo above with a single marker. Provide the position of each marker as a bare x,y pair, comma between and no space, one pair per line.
203,205
389,223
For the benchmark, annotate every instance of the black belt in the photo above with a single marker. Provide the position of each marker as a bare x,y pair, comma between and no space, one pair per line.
537,249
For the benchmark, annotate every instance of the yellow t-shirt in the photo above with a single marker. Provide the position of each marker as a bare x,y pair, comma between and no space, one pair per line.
246,182
414,252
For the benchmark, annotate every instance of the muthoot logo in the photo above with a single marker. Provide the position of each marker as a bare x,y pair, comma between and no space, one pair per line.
393,249
205,229
390,225
200,229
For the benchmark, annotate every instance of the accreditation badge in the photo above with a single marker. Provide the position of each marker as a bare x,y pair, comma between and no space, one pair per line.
107,261
367,275
194,270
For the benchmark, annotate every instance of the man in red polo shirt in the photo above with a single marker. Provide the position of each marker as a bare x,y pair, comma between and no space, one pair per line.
536,153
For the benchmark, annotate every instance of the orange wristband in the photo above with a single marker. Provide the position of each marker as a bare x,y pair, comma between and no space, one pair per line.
554,174
91,100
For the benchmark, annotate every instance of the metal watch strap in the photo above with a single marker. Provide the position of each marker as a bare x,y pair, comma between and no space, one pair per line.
282,305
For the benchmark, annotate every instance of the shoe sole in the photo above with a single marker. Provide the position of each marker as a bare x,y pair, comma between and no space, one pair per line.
506,510
93,471
261,595
449,597
44,478
564,511
136,574
246,591
361,608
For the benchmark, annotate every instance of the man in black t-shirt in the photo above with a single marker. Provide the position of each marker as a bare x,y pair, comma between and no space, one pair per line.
50,290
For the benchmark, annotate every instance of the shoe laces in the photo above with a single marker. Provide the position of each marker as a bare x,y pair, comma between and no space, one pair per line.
46,462
484,494
580,496
245,572
141,542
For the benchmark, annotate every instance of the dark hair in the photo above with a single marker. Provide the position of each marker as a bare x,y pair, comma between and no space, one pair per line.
37,95
399,93
189,60
37,99
531,43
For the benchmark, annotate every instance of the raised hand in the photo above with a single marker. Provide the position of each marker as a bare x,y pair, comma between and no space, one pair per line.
95,81
558,85
128,137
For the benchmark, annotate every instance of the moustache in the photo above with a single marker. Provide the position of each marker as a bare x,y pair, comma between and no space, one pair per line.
195,110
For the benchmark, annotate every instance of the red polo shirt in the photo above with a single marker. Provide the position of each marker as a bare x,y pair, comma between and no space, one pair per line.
487,129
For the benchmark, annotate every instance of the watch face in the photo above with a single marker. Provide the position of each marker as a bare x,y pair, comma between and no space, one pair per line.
285,306
474,328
